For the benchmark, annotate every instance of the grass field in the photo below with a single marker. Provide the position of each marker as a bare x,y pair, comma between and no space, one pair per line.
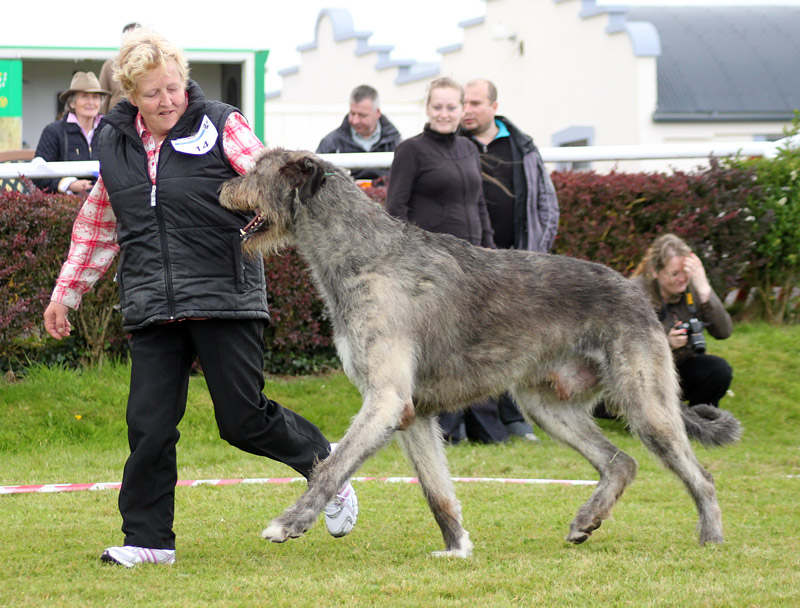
68,427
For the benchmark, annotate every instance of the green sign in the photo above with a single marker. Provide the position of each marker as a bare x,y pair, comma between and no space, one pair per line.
10,87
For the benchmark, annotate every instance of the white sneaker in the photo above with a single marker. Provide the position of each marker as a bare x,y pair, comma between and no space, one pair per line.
341,513
129,556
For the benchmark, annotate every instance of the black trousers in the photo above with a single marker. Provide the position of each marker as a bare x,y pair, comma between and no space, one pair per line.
704,379
231,354
481,423
508,410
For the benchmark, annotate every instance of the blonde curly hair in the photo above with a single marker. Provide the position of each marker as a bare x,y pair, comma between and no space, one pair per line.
663,249
142,51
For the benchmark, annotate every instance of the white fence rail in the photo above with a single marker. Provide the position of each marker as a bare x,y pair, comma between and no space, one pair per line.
38,168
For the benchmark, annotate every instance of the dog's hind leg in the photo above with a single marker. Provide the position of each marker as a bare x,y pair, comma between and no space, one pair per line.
649,401
662,431
572,425
424,446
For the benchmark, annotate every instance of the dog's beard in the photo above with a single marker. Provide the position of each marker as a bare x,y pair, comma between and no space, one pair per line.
262,235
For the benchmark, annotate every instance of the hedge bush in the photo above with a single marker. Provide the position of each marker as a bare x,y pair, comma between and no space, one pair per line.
299,339
613,218
35,231
742,216
32,227
776,206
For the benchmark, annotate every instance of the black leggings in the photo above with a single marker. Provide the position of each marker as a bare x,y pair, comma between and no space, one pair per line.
704,379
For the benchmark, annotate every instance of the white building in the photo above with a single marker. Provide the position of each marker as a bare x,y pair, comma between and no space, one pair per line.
569,73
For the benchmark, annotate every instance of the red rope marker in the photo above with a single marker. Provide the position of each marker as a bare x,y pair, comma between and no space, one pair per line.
78,487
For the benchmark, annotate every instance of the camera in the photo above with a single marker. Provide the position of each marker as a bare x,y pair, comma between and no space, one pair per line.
694,332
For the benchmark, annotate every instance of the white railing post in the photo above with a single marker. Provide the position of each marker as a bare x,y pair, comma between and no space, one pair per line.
383,160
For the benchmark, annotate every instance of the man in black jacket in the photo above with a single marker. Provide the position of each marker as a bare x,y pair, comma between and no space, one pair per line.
522,218
364,129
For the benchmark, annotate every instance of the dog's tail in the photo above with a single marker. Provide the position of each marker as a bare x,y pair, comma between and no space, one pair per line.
711,426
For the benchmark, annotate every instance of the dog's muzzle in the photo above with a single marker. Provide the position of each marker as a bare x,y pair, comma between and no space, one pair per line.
254,226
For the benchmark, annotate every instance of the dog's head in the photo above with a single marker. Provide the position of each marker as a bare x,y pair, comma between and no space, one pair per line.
274,189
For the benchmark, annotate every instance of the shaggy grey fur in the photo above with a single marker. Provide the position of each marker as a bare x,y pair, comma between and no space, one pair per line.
426,323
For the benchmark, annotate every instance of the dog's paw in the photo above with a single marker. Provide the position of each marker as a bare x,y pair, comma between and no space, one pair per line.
717,540
713,536
460,553
276,532
463,549
580,533
578,537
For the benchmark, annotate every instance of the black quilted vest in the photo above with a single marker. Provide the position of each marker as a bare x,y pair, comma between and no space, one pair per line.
180,252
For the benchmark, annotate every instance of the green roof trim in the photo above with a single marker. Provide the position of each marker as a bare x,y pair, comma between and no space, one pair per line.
114,48
259,101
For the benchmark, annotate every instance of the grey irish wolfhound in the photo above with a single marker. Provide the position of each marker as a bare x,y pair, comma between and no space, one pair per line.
427,323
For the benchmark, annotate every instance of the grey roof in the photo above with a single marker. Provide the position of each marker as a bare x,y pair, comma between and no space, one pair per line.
726,63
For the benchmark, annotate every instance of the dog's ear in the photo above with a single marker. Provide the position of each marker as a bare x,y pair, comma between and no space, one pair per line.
306,174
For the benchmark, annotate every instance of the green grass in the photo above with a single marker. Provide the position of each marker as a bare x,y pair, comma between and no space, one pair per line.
67,427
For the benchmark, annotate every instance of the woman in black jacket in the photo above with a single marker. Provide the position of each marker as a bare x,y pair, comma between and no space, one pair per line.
70,139
435,181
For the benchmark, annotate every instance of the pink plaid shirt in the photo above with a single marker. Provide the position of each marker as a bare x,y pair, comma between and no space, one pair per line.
94,234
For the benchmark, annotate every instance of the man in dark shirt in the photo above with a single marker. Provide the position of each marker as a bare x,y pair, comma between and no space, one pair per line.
521,217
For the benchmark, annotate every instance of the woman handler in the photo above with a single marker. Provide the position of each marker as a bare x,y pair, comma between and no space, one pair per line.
186,290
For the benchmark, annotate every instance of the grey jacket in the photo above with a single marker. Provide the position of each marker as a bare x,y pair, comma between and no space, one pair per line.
541,204
536,212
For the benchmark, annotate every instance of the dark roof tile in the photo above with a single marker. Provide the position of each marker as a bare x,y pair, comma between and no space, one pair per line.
726,63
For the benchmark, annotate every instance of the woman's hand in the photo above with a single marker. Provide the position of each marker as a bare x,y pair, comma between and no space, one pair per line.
693,268
80,186
677,338
55,320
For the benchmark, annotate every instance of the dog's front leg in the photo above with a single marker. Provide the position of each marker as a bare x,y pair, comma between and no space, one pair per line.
372,428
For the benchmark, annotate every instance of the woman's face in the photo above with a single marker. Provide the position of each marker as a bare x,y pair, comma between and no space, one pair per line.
444,109
160,96
87,105
672,279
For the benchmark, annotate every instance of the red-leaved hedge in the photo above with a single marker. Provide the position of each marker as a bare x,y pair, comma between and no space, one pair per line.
613,218
609,219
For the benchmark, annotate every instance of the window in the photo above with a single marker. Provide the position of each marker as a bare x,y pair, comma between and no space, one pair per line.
573,137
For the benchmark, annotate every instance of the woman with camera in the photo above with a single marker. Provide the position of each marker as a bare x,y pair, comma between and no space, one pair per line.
682,296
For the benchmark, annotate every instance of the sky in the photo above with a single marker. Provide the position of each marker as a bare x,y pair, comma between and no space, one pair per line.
415,28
